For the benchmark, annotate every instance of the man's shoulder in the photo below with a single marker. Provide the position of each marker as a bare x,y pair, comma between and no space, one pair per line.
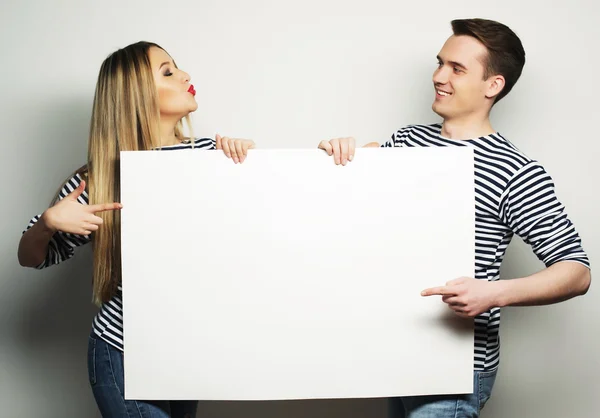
512,166
432,128
420,131
500,148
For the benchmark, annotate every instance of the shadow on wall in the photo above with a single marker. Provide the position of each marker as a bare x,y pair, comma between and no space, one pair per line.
45,316
56,301
55,305
45,329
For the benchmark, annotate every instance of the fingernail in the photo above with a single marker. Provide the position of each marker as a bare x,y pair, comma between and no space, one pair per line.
350,158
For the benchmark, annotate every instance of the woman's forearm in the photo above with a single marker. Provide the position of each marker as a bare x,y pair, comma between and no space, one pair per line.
33,246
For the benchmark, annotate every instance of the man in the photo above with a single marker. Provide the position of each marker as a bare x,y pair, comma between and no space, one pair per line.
477,66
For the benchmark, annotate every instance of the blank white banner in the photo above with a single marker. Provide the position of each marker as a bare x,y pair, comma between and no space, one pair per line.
288,277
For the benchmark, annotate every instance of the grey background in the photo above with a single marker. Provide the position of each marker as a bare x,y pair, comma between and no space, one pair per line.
288,75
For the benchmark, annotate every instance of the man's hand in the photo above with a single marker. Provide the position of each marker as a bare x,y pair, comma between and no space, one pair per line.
466,296
343,149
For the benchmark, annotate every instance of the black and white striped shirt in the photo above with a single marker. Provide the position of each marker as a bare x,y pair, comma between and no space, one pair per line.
513,194
108,323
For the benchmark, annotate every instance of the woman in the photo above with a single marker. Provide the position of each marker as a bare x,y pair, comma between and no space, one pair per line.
140,101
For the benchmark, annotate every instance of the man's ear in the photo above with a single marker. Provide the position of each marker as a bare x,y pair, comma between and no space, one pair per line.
495,85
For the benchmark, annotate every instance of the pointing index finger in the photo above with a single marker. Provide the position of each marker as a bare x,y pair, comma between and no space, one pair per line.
440,290
102,207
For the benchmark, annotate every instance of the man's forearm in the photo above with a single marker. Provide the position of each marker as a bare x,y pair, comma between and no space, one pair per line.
559,282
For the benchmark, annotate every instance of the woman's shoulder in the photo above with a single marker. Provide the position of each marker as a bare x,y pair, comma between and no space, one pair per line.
208,143
197,143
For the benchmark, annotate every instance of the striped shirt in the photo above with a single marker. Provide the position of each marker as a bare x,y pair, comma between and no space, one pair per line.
108,323
513,194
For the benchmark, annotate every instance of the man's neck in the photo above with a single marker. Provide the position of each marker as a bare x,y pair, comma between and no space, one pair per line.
461,129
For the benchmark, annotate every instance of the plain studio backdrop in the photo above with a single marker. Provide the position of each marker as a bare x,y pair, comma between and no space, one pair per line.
288,74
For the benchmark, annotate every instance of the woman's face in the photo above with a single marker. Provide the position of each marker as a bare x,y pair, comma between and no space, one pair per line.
175,93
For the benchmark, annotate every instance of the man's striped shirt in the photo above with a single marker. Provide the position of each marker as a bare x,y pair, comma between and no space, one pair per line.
513,195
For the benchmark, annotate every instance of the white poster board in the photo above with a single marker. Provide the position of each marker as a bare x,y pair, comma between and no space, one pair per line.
288,277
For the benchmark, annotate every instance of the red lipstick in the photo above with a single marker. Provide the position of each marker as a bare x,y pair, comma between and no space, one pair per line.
191,90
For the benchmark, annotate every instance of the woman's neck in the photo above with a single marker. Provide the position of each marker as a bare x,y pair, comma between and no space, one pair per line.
167,133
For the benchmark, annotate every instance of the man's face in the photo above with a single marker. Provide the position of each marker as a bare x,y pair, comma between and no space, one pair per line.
458,81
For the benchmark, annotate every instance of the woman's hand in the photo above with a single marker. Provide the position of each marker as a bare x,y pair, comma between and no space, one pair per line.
68,215
234,148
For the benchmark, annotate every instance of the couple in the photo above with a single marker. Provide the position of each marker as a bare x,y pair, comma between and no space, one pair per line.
140,102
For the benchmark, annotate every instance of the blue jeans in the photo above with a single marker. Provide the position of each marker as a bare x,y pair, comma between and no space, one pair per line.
446,406
105,370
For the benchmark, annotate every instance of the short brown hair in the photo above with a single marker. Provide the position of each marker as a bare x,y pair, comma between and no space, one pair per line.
506,56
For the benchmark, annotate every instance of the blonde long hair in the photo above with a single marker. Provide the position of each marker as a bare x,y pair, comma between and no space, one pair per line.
125,117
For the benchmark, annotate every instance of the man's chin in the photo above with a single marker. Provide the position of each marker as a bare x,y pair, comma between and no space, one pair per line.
436,108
